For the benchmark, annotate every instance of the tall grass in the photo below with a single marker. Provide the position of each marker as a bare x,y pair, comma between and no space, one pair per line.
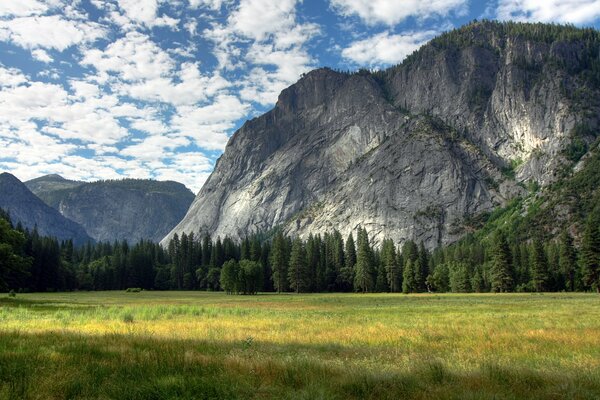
333,346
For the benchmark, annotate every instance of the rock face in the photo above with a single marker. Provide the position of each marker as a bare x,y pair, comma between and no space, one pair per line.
26,208
414,151
128,209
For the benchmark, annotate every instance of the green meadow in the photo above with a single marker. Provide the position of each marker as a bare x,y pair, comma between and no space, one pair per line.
201,345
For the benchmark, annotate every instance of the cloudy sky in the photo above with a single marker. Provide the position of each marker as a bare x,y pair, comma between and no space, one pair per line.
99,89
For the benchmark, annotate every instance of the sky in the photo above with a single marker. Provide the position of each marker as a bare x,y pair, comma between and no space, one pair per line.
99,89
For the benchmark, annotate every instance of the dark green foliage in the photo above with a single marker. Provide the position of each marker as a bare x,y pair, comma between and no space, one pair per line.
568,260
501,265
229,276
409,283
279,262
298,276
250,277
590,251
363,270
539,267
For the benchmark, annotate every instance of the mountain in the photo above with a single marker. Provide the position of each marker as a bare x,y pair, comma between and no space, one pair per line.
26,208
51,188
473,119
128,209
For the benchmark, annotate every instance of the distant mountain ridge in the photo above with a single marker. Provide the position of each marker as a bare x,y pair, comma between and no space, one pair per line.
475,118
26,208
127,209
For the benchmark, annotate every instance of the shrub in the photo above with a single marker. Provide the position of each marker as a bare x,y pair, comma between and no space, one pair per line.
133,290
12,293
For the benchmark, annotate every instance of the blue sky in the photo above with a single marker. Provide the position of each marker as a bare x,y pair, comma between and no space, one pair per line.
100,89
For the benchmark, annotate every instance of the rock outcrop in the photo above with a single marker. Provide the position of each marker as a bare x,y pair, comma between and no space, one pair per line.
461,127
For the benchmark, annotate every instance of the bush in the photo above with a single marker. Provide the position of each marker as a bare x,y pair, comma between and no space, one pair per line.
12,293
133,290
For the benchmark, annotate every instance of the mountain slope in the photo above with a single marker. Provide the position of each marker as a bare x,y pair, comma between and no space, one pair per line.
51,188
129,209
458,129
24,207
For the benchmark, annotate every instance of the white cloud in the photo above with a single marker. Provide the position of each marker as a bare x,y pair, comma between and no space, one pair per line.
10,77
134,57
385,48
564,11
266,41
208,125
51,32
392,12
41,55
211,4
192,87
21,8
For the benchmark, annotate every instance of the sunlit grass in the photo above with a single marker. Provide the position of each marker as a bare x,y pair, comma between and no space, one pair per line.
210,345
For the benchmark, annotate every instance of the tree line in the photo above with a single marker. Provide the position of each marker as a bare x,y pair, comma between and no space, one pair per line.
321,263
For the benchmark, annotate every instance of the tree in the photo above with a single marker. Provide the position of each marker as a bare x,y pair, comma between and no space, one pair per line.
347,273
229,277
250,276
567,260
409,283
539,267
14,265
439,279
459,277
389,259
501,268
590,251
279,263
363,275
298,271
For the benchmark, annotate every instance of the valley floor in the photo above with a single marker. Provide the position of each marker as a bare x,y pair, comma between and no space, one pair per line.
198,345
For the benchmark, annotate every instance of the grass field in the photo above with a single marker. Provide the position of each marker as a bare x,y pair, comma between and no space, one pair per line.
196,345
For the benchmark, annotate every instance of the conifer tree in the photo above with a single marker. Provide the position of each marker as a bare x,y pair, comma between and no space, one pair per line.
298,271
363,274
279,263
539,267
568,260
388,257
409,283
590,251
500,269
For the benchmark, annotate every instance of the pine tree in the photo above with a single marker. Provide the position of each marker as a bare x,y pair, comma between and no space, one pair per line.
501,269
363,270
350,261
298,271
568,260
279,263
590,251
388,256
409,283
539,267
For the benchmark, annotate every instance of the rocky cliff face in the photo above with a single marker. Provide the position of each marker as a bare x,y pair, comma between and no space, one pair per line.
412,152
26,208
127,209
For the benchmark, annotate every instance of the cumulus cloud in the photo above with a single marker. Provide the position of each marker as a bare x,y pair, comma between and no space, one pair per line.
133,57
391,12
268,42
386,48
564,11
22,8
50,31
42,55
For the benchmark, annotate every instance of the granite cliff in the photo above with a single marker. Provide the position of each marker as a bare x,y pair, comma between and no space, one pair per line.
471,120
129,209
